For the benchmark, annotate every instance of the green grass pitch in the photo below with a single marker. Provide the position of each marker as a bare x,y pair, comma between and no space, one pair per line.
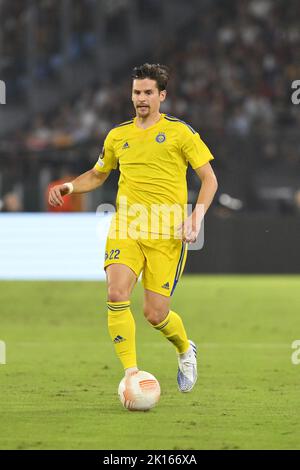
58,389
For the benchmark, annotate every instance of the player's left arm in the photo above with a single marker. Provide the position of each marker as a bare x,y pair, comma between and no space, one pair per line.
209,185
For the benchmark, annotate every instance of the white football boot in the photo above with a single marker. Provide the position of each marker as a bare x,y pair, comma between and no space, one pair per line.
187,369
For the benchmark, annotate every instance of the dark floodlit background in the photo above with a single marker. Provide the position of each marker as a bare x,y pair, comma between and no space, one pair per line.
67,64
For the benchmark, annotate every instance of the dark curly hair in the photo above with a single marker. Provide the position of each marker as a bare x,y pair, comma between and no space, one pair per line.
157,72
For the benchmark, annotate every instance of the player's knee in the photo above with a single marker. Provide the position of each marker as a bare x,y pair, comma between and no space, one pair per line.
154,315
117,294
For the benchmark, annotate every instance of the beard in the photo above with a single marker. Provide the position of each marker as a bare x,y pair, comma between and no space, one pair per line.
143,111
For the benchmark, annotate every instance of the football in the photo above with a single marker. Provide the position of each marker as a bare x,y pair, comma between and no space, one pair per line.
139,392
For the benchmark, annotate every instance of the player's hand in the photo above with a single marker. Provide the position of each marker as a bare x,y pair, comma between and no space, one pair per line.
56,195
190,228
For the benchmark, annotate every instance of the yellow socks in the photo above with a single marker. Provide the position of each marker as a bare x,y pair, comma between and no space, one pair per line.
121,326
173,329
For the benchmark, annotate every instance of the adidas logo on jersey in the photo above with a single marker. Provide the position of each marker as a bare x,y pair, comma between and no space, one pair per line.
126,145
119,339
166,286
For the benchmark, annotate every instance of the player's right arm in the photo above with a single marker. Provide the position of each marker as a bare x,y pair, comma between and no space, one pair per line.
89,180
84,183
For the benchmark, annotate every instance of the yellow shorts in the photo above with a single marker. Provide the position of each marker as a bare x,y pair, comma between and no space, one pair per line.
161,261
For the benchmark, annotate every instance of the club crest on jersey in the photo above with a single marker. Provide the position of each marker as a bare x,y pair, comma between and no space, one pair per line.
160,138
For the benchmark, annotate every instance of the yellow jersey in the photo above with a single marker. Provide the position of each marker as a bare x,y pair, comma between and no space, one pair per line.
153,163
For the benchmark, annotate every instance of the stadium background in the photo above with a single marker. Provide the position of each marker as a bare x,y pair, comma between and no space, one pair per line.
66,66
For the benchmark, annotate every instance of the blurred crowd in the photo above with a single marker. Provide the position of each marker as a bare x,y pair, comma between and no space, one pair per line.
47,39
238,62
232,70
88,117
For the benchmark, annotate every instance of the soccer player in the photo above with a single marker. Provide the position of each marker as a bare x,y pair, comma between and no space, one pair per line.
152,151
